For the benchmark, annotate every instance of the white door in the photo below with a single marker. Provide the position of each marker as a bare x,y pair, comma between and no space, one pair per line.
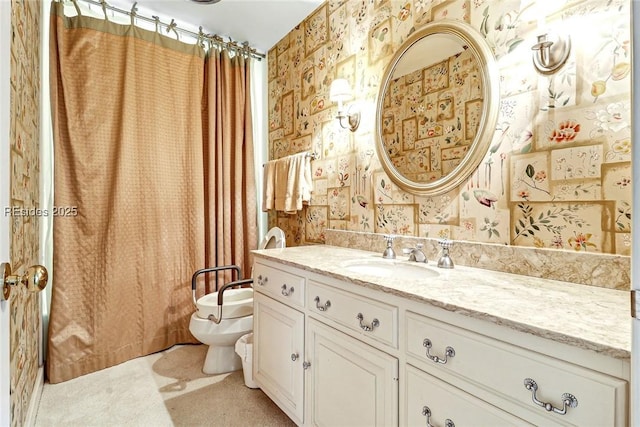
351,383
278,351
5,63
635,249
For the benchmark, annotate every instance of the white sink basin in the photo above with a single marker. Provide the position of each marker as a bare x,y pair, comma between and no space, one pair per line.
390,268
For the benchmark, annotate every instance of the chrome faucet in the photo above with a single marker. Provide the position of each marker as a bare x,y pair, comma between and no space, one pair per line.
417,255
445,260
389,253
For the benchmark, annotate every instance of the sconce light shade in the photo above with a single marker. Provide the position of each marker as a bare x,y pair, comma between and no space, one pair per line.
339,92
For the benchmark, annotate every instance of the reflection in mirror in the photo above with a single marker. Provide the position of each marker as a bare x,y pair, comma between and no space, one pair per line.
433,105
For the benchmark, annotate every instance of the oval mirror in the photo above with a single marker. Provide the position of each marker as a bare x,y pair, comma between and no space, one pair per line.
437,108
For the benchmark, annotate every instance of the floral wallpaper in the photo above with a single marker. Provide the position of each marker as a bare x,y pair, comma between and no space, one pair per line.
25,145
558,171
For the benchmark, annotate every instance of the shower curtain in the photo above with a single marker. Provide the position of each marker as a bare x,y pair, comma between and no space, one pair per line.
136,193
229,164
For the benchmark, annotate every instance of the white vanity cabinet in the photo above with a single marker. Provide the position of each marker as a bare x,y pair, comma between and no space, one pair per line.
350,383
278,350
509,376
278,341
317,374
338,351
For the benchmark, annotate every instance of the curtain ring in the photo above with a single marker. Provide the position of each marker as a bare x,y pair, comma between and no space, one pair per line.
134,12
157,21
75,4
103,3
201,37
172,26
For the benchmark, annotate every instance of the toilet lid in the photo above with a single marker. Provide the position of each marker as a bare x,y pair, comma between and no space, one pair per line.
274,239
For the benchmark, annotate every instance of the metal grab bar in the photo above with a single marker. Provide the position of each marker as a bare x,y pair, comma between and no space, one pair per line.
209,270
218,319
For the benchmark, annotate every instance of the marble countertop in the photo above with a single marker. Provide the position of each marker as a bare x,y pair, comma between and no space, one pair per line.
587,317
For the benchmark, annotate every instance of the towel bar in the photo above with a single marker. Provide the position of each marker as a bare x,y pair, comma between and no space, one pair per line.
312,155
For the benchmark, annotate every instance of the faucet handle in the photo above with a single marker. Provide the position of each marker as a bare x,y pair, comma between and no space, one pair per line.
445,243
389,252
445,260
419,245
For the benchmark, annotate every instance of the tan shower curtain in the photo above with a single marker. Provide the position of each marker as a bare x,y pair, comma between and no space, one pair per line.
129,109
229,169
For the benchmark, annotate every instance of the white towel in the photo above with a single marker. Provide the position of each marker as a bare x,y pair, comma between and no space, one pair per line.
299,183
307,187
268,185
287,183
281,181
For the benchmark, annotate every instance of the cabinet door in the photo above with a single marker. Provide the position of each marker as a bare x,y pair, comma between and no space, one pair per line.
351,383
430,401
278,345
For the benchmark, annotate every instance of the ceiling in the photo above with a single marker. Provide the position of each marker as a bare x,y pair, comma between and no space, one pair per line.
260,22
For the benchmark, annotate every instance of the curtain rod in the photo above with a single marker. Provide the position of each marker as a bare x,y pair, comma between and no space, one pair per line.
241,48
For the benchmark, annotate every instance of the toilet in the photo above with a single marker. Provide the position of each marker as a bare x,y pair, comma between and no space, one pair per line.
221,337
273,239
236,315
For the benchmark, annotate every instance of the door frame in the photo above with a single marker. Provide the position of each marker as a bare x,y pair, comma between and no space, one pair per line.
5,174
635,230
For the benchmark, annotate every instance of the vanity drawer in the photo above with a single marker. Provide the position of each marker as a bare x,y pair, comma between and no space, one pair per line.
364,315
505,369
431,401
280,284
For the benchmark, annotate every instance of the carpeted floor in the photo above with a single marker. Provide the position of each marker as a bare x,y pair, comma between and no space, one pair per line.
162,389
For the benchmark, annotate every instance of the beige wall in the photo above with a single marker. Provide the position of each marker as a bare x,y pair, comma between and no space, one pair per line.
25,140
559,173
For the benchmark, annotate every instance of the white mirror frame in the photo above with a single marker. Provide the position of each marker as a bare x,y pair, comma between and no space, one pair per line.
491,95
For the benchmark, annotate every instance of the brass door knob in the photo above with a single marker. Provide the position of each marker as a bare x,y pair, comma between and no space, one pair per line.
35,279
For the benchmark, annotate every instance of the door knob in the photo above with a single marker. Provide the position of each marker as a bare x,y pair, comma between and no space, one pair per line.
34,279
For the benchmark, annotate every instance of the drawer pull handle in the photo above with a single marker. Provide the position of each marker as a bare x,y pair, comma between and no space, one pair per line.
426,412
448,352
568,400
262,281
294,356
374,324
286,292
324,307
306,365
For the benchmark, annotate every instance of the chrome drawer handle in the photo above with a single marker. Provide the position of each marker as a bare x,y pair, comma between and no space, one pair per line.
286,292
374,324
294,356
306,365
568,400
448,352
324,307
426,412
262,281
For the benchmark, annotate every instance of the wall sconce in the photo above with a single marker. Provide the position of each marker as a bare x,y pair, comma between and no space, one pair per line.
339,92
551,52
